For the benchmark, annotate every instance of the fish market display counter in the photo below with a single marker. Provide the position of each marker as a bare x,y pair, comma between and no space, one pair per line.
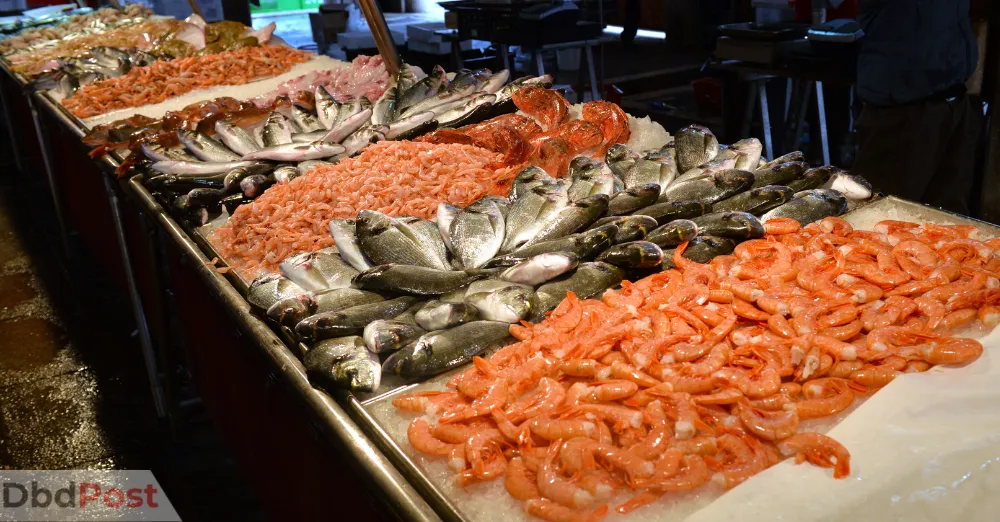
349,453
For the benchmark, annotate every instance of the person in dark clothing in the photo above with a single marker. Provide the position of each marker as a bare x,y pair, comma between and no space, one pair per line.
918,129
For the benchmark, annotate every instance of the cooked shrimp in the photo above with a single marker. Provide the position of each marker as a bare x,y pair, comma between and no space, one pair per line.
768,425
553,512
819,450
519,482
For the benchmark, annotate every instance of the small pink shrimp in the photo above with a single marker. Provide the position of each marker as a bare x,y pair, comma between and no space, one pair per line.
422,402
554,429
823,397
819,450
768,425
553,512
554,487
874,377
519,482
420,437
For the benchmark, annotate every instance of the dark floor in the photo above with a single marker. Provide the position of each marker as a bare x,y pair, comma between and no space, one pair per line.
74,395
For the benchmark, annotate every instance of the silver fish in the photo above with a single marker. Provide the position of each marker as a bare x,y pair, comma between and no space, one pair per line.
633,255
531,212
205,148
779,173
756,201
309,137
386,240
348,126
592,179
255,185
586,245
345,237
428,234
810,205
296,152
327,108
446,214
363,137
389,335
541,268
477,109
160,153
235,176
385,109
320,270
339,299
719,186
305,120
423,89
621,159
350,321
436,352
495,82
307,165
416,280
477,233
746,152
633,199
291,310
199,167
436,315
442,101
345,363
268,289
275,131
509,304
350,108
706,170
589,280
409,76
791,156
572,218
694,145
411,126
235,138
527,178
852,186
739,225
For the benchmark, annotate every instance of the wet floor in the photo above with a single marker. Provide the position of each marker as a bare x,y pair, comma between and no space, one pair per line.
73,392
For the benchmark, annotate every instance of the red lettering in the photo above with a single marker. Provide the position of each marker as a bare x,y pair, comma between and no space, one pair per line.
150,491
134,498
118,502
84,496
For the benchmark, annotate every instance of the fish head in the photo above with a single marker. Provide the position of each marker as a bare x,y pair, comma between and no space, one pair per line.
773,193
581,164
372,223
850,185
734,179
644,191
744,223
600,238
703,248
593,206
676,231
362,374
823,173
618,153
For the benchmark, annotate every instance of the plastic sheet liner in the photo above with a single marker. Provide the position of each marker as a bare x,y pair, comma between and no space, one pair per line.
924,448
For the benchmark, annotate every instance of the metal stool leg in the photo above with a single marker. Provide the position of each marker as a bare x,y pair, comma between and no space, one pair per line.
594,93
539,62
505,56
821,107
456,52
751,106
765,118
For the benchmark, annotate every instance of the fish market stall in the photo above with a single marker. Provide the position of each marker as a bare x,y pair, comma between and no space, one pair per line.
478,298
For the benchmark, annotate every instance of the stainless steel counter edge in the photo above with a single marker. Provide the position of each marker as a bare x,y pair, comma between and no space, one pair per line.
336,424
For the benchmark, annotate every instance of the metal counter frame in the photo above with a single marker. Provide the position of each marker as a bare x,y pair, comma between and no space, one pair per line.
343,419
336,424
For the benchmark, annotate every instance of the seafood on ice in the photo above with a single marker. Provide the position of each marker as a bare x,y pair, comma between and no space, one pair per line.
699,376
165,79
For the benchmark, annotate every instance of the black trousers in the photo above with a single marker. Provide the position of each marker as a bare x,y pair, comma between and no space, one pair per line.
923,151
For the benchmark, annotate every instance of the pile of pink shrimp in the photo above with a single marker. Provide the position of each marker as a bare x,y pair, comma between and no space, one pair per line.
699,376
398,178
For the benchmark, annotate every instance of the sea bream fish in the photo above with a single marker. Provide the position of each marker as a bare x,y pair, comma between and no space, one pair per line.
319,270
694,145
436,352
810,205
235,138
531,211
343,363
386,240
350,321
510,304
389,335
476,233
205,148
415,280
344,232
